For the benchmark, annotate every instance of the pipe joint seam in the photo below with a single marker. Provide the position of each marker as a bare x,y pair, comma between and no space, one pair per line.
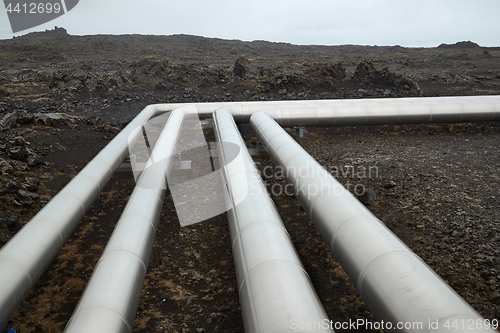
133,254
281,226
362,274
270,262
99,309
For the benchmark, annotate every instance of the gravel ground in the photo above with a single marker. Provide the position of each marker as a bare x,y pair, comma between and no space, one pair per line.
437,189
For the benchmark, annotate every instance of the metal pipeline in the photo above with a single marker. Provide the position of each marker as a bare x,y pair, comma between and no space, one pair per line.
371,111
109,302
350,111
24,258
30,251
275,291
402,111
395,283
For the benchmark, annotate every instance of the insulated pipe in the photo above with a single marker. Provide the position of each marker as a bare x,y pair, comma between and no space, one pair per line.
381,112
24,258
395,283
109,302
349,111
276,293
370,111
29,252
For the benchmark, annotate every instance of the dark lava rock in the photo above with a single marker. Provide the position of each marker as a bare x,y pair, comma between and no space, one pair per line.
147,70
25,308
164,295
11,186
205,83
241,66
54,119
426,241
12,224
285,80
390,184
41,328
27,196
8,121
17,141
17,153
16,148
152,65
4,93
336,71
5,166
368,77
68,79
32,158
23,117
161,87
368,197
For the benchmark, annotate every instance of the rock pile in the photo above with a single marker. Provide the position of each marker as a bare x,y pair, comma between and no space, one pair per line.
17,188
17,149
334,71
59,120
241,66
368,77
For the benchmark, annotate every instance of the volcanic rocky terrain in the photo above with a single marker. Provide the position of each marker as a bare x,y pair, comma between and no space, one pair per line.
436,186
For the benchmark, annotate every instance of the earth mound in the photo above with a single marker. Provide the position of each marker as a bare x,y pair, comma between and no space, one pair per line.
368,77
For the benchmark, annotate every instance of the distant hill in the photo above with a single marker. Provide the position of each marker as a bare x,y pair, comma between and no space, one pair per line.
460,45
57,32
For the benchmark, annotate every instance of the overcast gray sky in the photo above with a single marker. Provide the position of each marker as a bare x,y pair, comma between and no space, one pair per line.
327,22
